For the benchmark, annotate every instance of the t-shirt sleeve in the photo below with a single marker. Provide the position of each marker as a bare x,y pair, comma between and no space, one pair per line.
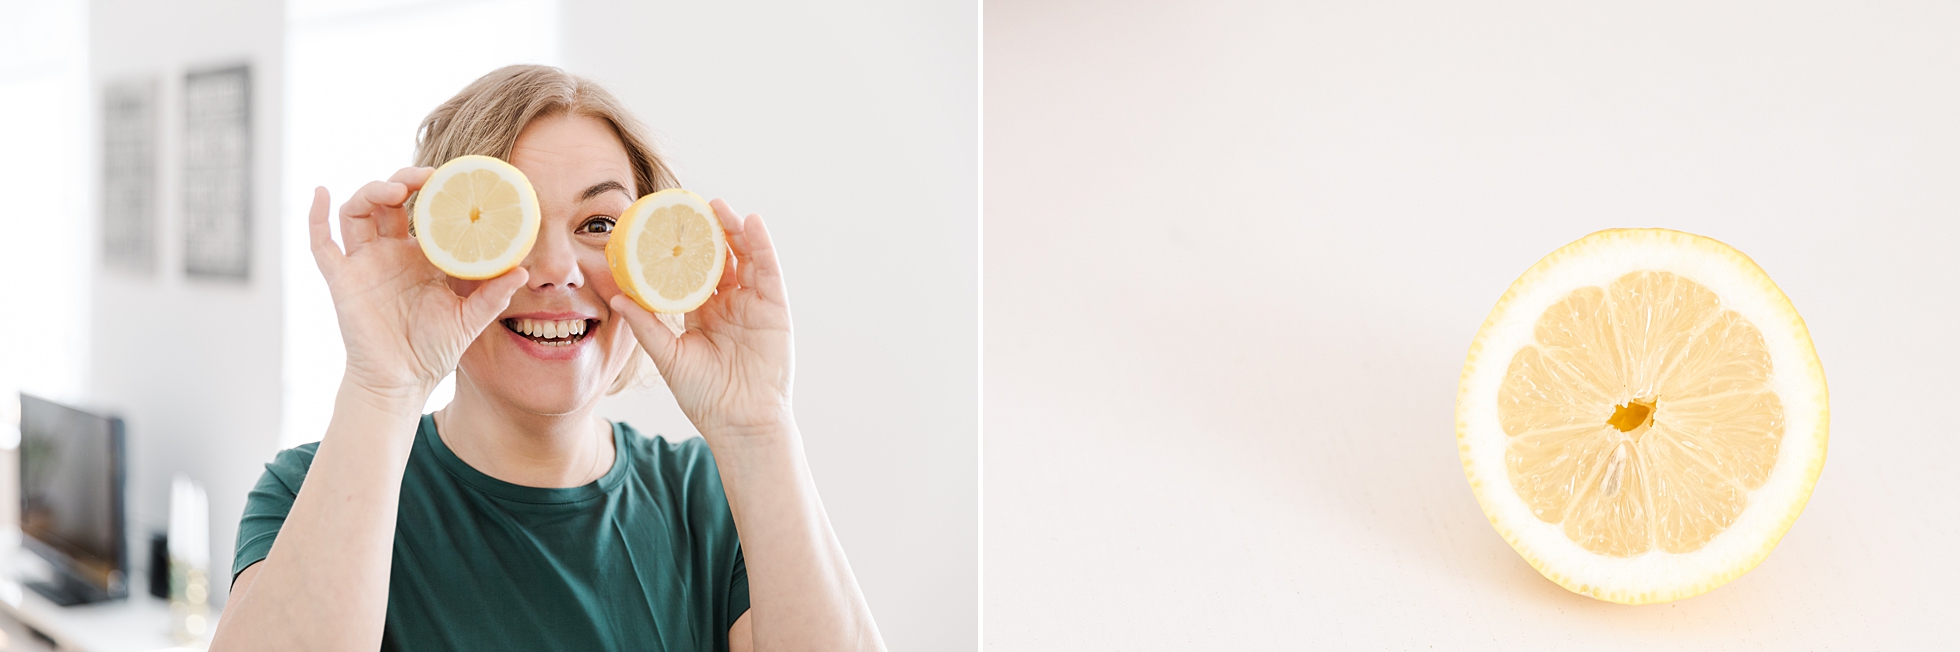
738,589
267,505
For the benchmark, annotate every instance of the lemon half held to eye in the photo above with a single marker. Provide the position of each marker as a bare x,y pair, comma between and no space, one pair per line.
476,217
667,251
1643,415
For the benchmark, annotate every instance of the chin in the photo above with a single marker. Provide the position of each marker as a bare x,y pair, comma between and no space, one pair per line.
551,401
540,375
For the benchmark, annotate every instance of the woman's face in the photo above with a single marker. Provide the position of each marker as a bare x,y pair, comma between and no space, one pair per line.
524,359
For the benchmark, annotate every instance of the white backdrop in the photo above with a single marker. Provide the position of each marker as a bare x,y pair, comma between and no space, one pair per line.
43,235
1236,253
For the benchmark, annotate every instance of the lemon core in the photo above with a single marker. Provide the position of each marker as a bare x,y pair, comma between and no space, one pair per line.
1632,415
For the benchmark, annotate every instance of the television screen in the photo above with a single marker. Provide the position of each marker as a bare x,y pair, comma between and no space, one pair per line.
71,496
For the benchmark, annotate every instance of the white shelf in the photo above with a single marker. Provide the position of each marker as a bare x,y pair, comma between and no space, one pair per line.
139,623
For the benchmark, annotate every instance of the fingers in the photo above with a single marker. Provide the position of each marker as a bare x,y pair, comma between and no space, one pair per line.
728,271
394,223
375,211
413,178
730,225
755,256
730,221
659,342
491,298
356,216
760,270
326,254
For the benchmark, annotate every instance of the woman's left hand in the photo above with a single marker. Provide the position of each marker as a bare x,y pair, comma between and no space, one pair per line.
731,371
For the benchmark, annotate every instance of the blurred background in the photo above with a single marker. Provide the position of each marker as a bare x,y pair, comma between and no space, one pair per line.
1237,251
852,126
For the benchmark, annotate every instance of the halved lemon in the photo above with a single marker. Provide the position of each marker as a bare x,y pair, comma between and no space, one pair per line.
477,217
667,251
1643,415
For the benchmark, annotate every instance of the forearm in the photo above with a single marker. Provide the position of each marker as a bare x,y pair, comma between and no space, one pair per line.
802,594
324,585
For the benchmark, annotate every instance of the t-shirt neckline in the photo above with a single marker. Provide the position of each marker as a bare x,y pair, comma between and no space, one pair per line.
429,442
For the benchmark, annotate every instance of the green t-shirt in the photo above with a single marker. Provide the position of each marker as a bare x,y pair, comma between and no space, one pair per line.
645,558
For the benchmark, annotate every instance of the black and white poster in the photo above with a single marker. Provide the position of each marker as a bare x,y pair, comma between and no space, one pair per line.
129,202
218,173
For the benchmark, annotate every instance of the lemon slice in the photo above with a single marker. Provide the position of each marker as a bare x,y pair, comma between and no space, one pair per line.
477,217
1643,415
667,252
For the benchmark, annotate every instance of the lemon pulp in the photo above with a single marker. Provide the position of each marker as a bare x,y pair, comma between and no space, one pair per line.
676,250
1641,416
475,216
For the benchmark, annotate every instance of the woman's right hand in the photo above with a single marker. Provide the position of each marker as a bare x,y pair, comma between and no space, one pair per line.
403,327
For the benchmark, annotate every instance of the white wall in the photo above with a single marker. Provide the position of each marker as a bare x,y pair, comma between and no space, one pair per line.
192,364
1236,253
46,231
852,128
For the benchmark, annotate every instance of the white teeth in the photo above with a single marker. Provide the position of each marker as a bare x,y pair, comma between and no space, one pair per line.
550,329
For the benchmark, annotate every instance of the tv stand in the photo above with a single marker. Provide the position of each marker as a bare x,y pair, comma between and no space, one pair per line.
67,594
138,623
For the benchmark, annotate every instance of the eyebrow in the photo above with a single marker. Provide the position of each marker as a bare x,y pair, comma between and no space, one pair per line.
603,187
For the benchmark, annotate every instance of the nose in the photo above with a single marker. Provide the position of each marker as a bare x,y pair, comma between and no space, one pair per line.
552,263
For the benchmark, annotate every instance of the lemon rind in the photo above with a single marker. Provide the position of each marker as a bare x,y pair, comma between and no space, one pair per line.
511,256
631,278
1799,381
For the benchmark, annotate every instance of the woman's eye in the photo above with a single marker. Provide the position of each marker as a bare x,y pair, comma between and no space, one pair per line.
597,225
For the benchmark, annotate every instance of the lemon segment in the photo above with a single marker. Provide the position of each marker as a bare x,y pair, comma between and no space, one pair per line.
476,217
1643,415
667,251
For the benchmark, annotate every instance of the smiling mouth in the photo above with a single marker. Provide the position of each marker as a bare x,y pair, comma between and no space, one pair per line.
552,332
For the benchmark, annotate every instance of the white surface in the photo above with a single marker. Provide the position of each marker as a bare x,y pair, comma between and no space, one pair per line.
139,623
852,128
1236,253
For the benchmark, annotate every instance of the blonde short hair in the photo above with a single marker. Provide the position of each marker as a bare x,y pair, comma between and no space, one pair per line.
486,117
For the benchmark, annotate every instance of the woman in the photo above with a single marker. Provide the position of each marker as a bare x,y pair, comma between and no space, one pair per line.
515,518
